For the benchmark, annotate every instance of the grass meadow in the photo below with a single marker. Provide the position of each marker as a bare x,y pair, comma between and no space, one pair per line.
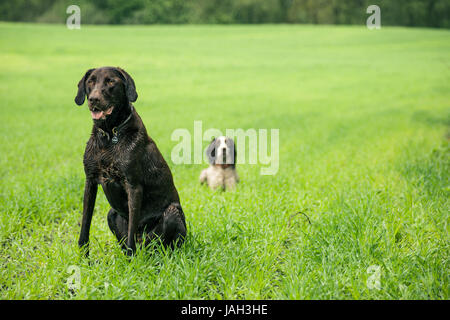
363,119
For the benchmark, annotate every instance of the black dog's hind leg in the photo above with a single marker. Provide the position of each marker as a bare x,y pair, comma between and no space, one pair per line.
171,228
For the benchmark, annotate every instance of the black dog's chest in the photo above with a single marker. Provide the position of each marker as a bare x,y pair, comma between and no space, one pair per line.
108,169
107,166
111,178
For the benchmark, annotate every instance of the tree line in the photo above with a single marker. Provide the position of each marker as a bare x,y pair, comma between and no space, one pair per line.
422,13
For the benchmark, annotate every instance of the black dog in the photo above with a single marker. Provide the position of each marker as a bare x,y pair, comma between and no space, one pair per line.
124,160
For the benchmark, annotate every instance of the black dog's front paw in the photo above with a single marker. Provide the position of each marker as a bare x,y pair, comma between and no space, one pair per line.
129,252
130,249
84,247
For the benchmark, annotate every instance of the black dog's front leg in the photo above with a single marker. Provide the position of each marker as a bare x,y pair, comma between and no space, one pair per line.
90,193
134,212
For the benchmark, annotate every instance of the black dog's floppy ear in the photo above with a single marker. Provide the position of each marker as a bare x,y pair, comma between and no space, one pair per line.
211,151
130,87
79,99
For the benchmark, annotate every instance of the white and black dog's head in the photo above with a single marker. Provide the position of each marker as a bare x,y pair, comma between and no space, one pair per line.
222,152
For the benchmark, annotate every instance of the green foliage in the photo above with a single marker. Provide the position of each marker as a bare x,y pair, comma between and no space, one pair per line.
364,154
431,13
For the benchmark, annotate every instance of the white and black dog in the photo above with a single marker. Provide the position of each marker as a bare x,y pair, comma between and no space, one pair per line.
222,164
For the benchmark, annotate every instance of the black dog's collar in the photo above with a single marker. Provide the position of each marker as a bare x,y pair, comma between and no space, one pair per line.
115,130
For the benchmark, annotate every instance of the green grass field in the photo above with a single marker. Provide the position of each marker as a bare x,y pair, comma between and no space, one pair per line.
364,153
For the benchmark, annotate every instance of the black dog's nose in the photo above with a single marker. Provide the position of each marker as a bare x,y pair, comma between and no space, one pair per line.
93,100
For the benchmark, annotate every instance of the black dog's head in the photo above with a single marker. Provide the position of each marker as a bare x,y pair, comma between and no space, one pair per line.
222,152
106,89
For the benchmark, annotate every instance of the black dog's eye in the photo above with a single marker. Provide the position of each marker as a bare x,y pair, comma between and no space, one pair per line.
109,81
